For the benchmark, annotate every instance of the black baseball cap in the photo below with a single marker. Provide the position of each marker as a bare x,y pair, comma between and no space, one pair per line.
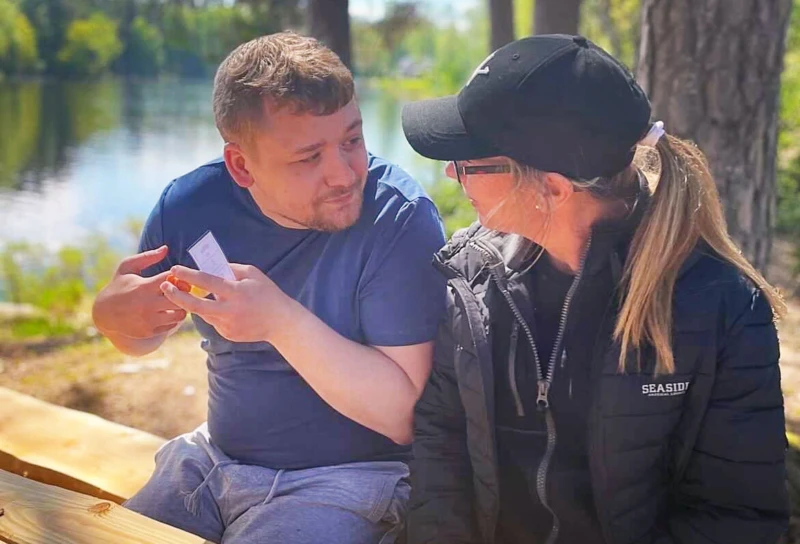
557,103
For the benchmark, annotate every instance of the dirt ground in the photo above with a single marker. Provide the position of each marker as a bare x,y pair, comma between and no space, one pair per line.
166,393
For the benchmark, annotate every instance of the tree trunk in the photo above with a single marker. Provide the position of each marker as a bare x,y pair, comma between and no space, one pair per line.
712,70
330,23
502,16
556,16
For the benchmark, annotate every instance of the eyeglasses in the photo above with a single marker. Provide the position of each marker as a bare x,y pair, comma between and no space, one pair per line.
480,169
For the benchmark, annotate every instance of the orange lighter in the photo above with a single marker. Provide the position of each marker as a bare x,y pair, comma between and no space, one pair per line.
187,287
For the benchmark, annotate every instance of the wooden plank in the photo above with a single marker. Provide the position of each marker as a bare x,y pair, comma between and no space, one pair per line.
113,458
35,513
11,464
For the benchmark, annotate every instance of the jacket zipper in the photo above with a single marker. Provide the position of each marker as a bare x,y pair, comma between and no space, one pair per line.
512,368
541,474
544,382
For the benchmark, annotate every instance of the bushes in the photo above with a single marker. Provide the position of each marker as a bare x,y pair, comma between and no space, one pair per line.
60,283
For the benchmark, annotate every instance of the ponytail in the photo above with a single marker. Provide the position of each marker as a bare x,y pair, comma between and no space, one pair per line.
685,209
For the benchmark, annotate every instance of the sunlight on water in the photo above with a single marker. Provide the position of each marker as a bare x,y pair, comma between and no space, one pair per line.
83,158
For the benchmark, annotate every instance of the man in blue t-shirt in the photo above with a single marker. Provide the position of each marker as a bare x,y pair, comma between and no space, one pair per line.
322,344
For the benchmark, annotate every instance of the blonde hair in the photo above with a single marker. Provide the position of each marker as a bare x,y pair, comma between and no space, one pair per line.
284,70
684,209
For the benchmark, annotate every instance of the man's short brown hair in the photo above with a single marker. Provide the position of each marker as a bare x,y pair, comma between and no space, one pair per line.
279,70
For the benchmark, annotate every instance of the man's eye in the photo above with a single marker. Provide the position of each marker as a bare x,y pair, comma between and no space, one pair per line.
352,142
313,158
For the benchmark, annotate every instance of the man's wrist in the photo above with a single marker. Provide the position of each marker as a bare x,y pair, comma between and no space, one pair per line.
294,318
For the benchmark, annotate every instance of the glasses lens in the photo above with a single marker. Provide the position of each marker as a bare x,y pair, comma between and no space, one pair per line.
458,173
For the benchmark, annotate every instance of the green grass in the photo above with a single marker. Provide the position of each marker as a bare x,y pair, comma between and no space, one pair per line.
37,327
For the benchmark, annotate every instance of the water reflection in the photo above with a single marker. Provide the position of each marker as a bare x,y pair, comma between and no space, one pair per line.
82,158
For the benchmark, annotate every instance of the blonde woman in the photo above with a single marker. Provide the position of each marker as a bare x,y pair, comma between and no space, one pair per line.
608,372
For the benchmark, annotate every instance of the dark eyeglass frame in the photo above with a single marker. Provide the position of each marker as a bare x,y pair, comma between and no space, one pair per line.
479,169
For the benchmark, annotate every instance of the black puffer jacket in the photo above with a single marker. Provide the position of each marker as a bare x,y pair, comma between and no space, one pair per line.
696,457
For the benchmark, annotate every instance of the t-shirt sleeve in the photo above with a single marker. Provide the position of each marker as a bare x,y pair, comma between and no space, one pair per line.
153,237
403,298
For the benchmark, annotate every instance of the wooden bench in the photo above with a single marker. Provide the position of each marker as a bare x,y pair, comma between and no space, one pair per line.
35,513
64,474
72,449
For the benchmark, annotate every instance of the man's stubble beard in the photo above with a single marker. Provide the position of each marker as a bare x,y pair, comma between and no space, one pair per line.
340,219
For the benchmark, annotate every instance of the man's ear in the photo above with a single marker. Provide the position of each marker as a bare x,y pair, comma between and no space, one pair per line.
236,161
560,189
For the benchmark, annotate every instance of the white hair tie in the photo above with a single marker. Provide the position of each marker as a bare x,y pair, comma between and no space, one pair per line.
653,135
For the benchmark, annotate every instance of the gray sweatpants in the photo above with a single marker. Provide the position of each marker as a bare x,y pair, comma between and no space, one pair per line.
199,489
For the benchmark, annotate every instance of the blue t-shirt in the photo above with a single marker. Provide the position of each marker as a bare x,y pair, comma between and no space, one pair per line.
373,283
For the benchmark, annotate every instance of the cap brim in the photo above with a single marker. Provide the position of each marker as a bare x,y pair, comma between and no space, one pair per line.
434,129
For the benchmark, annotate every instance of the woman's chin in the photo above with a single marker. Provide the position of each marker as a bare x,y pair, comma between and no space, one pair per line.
493,224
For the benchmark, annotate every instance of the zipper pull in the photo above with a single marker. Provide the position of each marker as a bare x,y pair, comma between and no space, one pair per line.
563,358
542,400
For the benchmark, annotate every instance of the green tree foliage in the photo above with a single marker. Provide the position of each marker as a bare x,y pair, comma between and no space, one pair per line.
18,48
788,213
50,19
443,54
372,59
144,49
456,210
614,26
75,38
91,46
523,18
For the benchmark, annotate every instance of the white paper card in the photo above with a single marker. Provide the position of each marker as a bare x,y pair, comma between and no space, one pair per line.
210,258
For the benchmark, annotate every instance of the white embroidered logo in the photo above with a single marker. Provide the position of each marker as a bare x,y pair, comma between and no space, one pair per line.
665,389
483,69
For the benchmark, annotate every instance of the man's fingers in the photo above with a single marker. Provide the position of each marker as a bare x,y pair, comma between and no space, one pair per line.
242,271
163,328
136,263
169,317
192,304
163,303
207,282
157,280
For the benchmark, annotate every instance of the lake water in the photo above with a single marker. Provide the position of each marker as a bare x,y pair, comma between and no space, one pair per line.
83,158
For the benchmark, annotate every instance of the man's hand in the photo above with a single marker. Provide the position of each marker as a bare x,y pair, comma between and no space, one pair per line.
250,309
374,386
134,307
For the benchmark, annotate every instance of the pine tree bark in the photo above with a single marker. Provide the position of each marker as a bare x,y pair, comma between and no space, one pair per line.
712,70
556,16
501,13
330,23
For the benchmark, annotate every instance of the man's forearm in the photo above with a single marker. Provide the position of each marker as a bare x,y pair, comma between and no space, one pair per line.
358,381
136,347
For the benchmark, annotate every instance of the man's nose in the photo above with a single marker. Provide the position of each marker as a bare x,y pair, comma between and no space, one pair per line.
338,171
